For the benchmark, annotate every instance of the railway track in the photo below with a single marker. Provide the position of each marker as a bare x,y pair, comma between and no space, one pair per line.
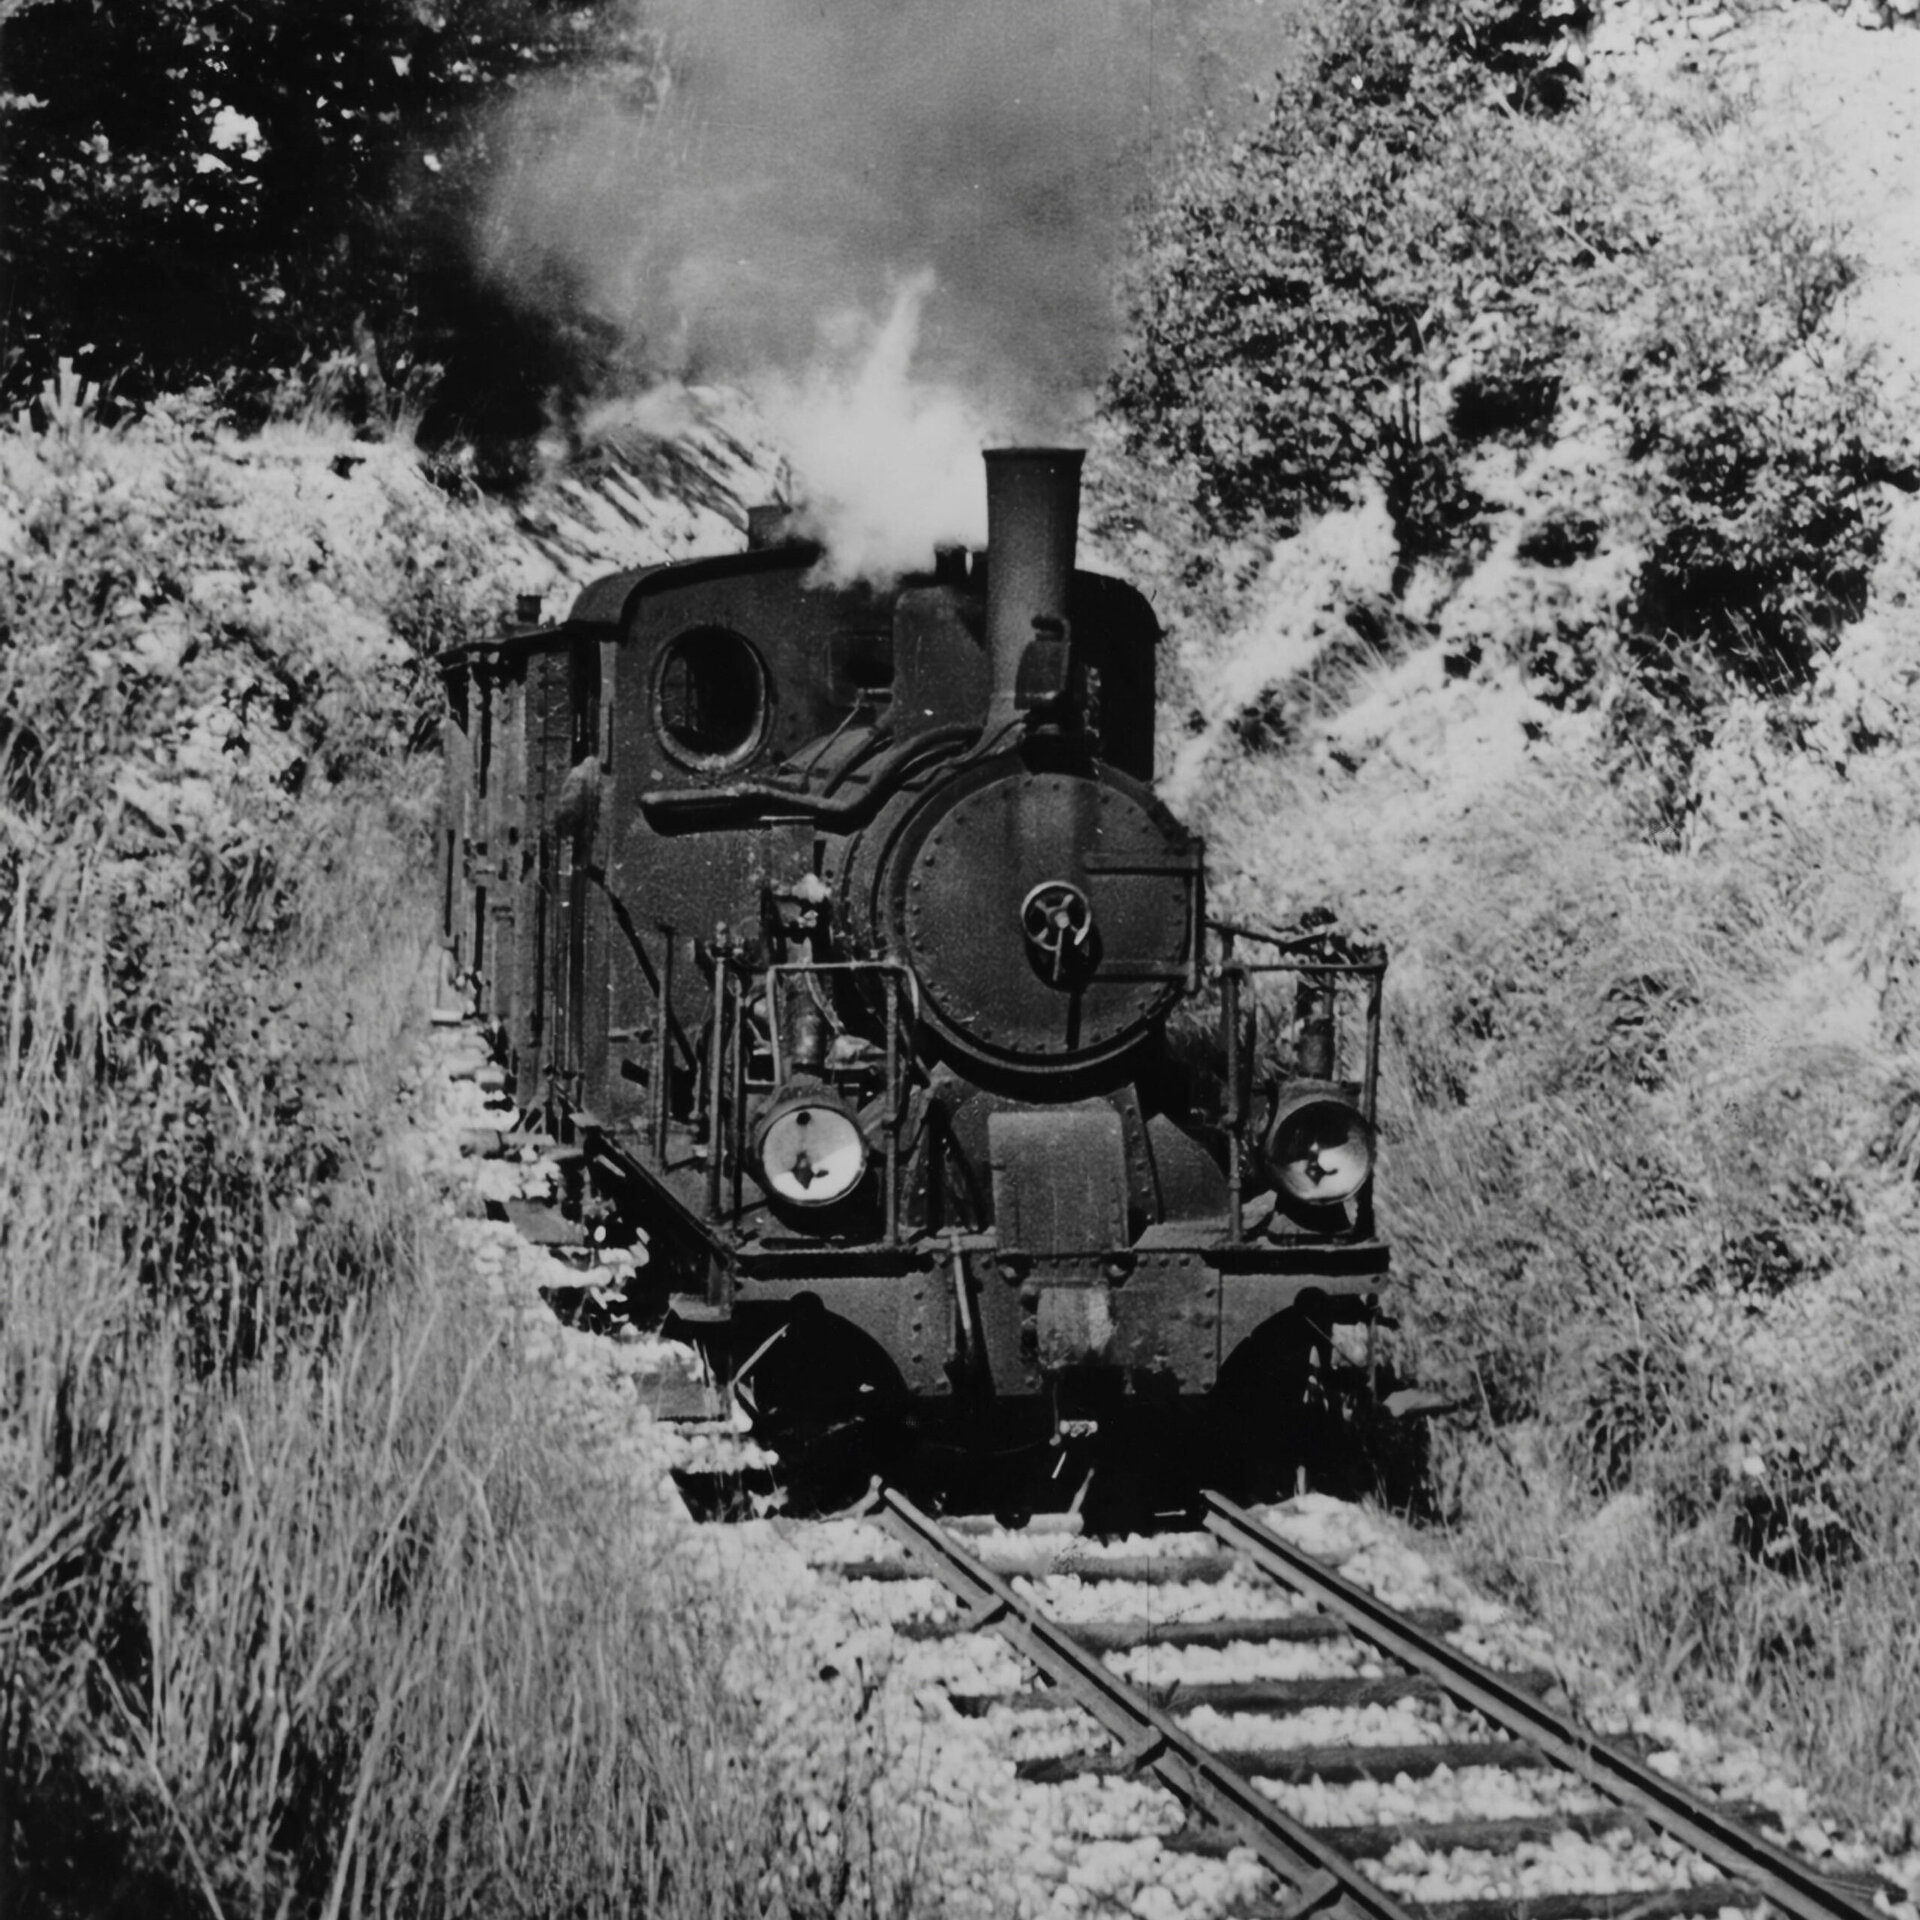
1579,1826
1347,1757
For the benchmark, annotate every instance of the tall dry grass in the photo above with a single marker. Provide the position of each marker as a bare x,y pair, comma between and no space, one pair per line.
1609,739
1649,1171
356,1623
315,1596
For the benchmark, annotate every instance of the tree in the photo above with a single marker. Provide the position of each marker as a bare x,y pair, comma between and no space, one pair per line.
214,189
1301,296
1424,249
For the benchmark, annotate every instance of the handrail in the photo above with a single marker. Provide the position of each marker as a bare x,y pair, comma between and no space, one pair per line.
1365,960
899,1050
768,796
663,1045
1235,976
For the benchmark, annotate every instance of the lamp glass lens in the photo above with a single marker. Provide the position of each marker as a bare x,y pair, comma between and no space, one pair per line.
1321,1154
812,1155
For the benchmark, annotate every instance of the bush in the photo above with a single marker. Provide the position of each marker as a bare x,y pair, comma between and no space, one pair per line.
188,679
1641,1173
318,1592
1302,297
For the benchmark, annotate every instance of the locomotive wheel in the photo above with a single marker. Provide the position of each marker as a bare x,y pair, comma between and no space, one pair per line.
1278,1419
825,1398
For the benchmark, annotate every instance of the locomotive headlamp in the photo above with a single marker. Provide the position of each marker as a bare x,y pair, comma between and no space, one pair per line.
810,1148
1319,1148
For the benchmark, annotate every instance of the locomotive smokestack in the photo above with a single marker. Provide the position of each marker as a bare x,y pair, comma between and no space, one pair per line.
1033,522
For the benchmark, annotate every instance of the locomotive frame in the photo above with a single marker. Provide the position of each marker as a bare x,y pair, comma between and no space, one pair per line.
840,933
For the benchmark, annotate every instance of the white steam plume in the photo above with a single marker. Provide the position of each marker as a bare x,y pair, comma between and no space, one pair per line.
886,465
890,203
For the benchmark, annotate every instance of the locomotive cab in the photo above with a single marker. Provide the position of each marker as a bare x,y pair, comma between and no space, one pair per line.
843,932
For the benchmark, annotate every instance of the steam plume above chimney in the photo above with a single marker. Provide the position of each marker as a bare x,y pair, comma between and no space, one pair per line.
862,196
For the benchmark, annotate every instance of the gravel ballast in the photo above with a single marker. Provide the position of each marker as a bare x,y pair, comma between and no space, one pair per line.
985,1840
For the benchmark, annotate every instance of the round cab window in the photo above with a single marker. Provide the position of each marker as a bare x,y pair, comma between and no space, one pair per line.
710,698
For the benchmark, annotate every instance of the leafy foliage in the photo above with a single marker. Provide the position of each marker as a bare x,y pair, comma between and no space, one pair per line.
190,674
1303,295
1751,422
315,1594
252,185
1411,261
1531,48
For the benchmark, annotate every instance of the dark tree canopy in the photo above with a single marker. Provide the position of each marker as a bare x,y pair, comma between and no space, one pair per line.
216,190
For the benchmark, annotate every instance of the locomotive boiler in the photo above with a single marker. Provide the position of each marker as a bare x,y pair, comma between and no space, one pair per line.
839,934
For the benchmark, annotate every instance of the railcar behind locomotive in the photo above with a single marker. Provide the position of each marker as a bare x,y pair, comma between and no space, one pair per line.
841,934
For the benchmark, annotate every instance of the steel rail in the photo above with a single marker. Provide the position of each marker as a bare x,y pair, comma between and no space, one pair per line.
1790,1883
1322,1881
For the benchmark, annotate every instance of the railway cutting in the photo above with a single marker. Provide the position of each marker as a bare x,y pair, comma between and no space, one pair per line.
1212,1689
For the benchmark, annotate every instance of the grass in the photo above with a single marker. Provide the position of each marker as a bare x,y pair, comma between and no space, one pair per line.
320,1593
361,1620
1628,795
1649,1174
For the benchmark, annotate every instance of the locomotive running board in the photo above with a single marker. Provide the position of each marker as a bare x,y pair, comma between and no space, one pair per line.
619,1166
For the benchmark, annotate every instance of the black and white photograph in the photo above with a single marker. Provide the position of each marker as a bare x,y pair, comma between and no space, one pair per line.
959,959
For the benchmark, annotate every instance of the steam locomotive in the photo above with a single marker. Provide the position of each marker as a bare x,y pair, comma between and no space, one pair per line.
839,935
